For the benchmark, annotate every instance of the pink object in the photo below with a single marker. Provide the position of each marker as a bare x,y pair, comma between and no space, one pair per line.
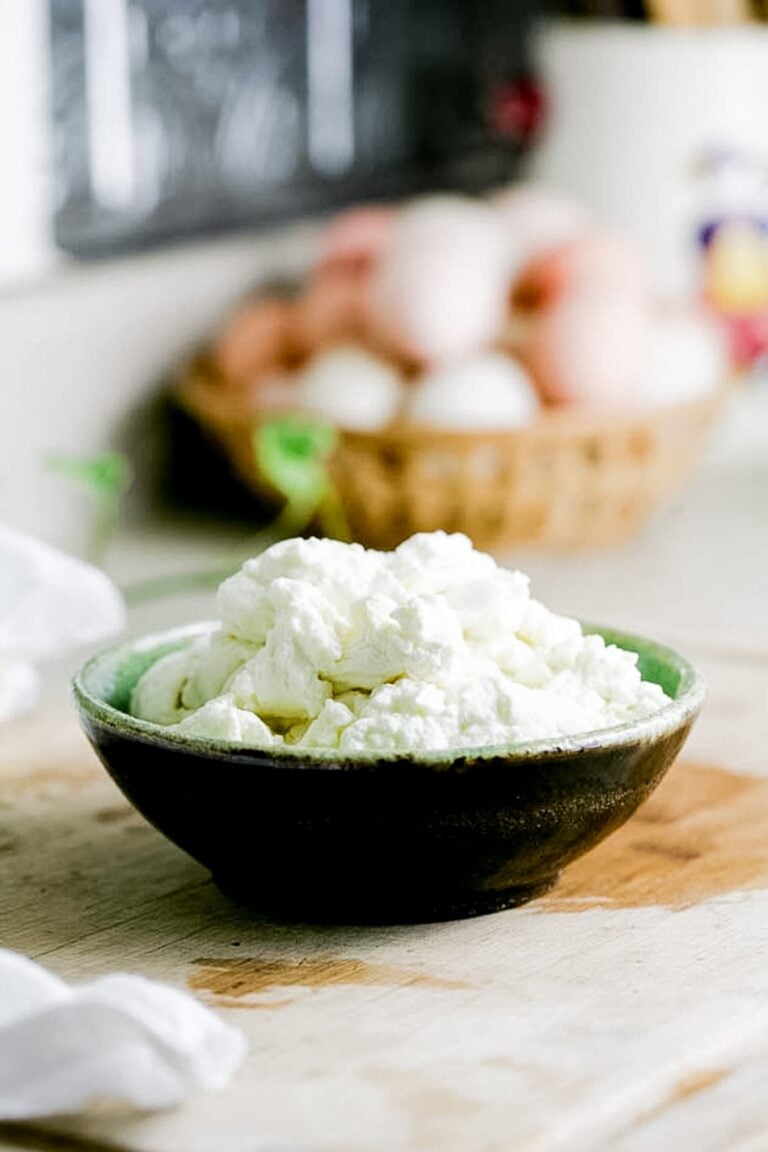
518,109
597,261
537,219
591,349
355,238
748,337
439,288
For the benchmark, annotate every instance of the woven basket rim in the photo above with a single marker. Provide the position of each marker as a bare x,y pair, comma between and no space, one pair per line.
195,387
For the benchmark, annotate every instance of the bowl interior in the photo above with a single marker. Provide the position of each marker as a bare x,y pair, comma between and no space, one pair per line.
113,677
104,686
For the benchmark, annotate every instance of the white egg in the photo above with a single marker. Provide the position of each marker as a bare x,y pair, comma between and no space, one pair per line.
439,289
488,391
348,386
688,358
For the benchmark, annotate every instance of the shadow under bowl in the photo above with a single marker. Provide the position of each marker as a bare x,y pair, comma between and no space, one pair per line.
383,839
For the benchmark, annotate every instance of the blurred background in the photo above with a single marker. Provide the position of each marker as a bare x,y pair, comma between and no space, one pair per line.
377,266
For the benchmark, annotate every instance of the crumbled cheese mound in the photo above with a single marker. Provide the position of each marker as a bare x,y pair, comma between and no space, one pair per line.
431,647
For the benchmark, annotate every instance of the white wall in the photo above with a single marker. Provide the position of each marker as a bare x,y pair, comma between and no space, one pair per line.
81,350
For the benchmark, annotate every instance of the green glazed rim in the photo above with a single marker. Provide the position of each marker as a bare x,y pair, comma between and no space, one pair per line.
102,690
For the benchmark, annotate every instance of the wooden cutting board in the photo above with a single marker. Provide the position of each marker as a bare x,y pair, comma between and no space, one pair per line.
619,1012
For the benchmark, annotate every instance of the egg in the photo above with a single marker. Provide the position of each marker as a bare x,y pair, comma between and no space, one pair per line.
439,288
517,333
591,348
597,261
486,391
688,359
332,309
355,238
277,392
349,387
254,340
537,219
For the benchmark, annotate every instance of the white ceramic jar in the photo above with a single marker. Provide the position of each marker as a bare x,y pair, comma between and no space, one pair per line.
635,108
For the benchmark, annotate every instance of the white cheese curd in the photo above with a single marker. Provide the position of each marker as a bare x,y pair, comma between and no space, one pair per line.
431,647
157,695
213,662
221,719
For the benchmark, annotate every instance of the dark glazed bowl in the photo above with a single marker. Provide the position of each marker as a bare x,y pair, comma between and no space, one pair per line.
390,839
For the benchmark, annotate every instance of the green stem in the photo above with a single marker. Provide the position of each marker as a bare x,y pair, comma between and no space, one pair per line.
103,522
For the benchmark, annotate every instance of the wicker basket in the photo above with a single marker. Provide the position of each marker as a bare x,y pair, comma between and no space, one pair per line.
571,479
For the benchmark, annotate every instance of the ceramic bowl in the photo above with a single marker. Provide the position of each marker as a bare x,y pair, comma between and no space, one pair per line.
380,839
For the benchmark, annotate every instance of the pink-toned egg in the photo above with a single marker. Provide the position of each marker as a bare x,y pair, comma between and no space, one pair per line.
591,349
254,340
537,219
355,238
439,288
599,261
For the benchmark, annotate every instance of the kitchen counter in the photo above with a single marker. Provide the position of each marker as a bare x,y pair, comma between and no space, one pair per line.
626,1011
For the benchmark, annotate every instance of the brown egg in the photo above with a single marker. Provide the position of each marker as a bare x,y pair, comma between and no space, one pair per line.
354,239
277,392
600,260
591,348
255,340
333,309
518,332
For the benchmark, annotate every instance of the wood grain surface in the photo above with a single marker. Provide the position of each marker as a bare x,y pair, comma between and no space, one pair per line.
625,1011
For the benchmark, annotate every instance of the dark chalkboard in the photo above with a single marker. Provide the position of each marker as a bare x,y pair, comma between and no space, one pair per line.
174,117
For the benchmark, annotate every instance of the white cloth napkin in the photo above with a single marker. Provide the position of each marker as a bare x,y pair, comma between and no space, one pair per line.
117,1039
49,604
